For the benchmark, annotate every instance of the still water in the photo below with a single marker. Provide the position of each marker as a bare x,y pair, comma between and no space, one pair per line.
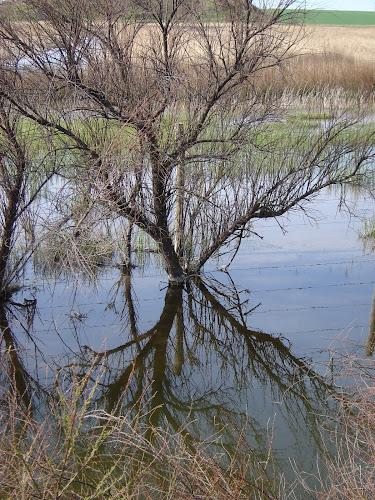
250,346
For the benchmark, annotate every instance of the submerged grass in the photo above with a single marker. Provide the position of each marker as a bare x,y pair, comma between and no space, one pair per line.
367,234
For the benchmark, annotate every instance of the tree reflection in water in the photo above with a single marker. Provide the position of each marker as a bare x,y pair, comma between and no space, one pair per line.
208,367
14,374
199,367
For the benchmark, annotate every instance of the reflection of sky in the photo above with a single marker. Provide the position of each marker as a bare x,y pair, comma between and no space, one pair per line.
314,283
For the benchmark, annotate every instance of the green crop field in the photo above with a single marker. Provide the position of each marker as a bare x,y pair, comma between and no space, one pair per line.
340,17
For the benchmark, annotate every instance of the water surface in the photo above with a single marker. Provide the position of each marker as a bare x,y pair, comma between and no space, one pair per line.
249,346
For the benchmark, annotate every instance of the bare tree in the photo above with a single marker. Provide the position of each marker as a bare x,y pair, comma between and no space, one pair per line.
138,89
24,171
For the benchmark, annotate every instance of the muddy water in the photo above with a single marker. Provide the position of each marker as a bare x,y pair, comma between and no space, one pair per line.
249,346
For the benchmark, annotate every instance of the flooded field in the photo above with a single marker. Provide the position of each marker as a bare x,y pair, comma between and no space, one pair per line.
180,297
249,347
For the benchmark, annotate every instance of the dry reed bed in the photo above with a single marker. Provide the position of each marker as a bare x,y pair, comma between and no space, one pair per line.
323,57
352,472
357,42
329,57
336,56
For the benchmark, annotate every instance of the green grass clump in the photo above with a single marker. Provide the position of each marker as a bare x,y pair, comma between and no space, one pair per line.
367,235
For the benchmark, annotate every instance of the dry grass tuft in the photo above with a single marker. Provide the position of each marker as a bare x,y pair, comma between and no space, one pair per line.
70,449
349,436
352,472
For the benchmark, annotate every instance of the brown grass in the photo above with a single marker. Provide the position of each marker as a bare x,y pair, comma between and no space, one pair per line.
352,472
328,57
336,57
353,42
348,435
70,449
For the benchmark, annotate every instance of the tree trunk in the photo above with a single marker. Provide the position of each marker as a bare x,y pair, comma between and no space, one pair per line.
127,262
164,240
179,207
370,341
6,239
172,264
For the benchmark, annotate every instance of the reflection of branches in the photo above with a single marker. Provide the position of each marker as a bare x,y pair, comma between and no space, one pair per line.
16,371
128,310
26,309
19,379
232,297
202,331
179,347
199,362
157,341
271,346
269,360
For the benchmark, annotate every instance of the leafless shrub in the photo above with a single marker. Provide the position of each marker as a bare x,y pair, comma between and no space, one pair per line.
138,92
25,170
